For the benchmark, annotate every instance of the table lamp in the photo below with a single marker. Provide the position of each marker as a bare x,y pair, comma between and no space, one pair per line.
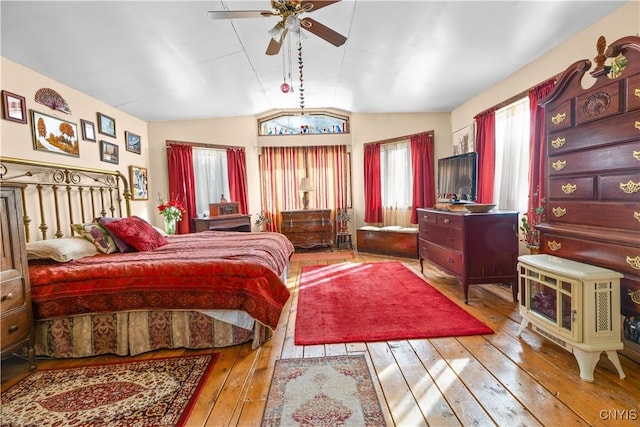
305,187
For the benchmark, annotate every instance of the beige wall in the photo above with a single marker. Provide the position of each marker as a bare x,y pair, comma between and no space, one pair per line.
625,21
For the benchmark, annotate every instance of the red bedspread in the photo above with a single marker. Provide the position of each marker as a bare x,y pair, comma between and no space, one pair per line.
209,270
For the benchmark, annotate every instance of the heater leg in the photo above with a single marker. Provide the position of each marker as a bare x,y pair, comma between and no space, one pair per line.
523,326
613,357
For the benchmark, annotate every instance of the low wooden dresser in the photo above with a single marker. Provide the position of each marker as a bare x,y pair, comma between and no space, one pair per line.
237,222
477,248
308,228
16,319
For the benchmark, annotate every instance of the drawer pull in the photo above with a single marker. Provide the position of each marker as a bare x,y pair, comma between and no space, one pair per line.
635,296
559,212
630,187
634,262
559,118
637,124
558,142
559,164
569,188
447,220
13,329
636,215
636,155
553,245
637,93
450,260
7,297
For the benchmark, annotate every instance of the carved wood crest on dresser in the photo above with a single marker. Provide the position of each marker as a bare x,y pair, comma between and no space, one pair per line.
592,211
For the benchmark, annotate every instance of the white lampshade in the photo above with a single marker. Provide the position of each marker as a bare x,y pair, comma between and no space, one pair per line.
305,185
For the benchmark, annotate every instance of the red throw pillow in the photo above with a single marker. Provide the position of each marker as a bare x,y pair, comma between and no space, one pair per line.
137,232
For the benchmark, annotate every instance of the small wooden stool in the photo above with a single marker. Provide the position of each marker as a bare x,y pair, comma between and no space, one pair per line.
343,237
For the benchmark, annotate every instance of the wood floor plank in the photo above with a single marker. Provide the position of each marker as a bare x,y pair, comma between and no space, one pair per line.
404,409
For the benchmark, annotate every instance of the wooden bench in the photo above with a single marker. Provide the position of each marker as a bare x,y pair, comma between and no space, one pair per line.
390,240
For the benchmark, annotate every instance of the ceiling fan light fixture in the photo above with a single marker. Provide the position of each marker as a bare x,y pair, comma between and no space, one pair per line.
292,24
276,31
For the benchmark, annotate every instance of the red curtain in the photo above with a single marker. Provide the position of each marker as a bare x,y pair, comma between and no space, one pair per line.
423,174
537,146
486,148
237,166
372,184
181,183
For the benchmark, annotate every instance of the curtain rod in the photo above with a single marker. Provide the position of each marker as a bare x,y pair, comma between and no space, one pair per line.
169,143
401,138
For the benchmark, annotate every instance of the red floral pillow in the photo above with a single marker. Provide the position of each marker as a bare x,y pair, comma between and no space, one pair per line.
137,232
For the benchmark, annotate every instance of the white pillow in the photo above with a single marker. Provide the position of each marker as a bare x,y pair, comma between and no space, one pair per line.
161,231
62,250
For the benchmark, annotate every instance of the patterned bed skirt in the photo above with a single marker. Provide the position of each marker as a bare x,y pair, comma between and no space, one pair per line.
131,333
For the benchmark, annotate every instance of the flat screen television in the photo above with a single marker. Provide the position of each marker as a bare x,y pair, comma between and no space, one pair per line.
457,178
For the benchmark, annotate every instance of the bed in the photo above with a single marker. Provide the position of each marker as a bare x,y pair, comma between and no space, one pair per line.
202,290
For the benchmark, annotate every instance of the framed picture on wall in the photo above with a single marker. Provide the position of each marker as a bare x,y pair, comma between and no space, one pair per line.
15,108
106,125
132,142
54,135
88,130
139,183
464,140
109,152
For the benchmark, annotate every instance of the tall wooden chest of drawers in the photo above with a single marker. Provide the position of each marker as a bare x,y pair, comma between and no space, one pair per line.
16,320
477,248
308,228
593,168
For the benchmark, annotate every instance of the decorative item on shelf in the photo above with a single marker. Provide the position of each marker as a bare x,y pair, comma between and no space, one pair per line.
479,207
223,199
304,188
530,235
172,211
262,220
342,220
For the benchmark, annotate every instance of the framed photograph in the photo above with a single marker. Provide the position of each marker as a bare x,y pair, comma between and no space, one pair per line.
464,140
88,130
109,152
15,107
138,179
132,142
54,135
106,125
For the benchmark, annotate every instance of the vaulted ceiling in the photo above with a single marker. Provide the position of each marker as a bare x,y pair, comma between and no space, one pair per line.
168,61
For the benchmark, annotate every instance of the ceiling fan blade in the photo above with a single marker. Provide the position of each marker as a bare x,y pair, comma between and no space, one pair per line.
311,5
323,31
235,14
274,45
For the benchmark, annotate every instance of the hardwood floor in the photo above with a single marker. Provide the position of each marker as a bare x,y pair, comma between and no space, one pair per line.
487,380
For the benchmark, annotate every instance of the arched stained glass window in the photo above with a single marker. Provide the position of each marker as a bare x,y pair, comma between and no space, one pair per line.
301,124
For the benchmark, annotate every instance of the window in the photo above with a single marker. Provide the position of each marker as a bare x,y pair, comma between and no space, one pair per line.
299,124
211,177
396,178
512,156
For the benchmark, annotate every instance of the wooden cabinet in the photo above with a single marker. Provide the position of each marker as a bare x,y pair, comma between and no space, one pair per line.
308,228
16,320
593,170
226,208
477,248
224,223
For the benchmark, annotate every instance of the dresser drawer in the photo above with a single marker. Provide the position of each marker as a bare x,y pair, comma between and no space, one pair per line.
613,215
598,105
605,132
559,116
12,294
448,237
15,326
625,187
633,92
448,259
607,158
621,258
426,218
450,220
572,188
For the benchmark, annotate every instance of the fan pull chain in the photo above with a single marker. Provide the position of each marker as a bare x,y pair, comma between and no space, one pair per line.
301,87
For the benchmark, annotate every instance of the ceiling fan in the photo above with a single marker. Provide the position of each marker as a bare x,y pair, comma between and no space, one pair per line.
289,12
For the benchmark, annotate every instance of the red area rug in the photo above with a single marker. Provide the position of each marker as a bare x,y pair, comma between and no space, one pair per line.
158,392
322,391
375,302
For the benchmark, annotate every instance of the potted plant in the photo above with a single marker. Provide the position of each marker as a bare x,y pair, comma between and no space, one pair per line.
262,220
342,218
530,235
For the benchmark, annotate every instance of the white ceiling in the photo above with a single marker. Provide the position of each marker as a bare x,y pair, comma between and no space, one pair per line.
168,61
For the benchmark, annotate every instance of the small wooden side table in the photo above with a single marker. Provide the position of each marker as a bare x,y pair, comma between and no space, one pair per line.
343,237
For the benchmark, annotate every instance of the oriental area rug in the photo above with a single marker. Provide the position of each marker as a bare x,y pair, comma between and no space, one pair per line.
159,392
322,391
381,301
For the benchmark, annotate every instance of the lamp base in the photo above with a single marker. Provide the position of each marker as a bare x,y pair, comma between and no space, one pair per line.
305,200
